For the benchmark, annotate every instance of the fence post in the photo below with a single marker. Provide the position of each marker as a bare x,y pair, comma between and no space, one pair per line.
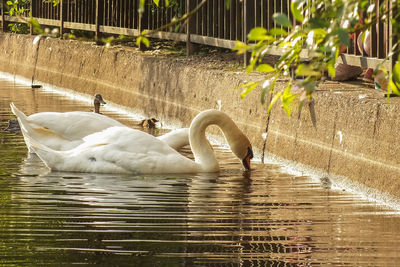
143,17
190,28
140,29
32,16
3,17
248,24
394,39
62,17
98,19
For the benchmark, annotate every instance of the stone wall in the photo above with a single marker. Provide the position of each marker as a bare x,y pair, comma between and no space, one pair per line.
348,131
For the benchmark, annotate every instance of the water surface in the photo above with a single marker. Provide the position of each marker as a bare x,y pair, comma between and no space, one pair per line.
234,218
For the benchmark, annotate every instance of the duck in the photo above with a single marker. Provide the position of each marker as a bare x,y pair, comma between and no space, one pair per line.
149,123
13,127
98,100
45,127
125,150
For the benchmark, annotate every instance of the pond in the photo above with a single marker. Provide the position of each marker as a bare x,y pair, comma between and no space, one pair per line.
233,218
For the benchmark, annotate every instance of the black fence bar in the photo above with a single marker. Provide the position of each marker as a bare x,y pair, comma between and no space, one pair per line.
62,16
214,24
3,20
98,18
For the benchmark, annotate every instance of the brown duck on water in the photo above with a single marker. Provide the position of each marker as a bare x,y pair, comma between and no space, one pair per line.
13,127
148,123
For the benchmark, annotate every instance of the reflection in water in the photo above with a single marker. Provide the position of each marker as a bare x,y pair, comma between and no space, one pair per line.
234,218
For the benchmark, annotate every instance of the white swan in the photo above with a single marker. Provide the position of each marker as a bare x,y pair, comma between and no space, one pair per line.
124,150
62,130
66,130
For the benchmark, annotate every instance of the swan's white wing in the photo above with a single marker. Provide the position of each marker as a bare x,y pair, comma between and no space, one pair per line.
72,125
118,150
176,138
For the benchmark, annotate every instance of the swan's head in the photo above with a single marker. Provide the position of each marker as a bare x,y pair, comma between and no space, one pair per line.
247,158
243,150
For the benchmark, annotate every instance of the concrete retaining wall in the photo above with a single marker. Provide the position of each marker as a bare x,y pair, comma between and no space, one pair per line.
348,131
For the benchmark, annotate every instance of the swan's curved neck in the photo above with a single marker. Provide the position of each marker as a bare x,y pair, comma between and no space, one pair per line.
202,149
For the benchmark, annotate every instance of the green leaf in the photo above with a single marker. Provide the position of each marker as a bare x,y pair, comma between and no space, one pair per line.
243,85
266,87
364,4
257,34
141,6
156,2
331,68
282,19
395,81
248,89
276,97
306,70
278,32
340,12
36,26
319,34
241,47
266,68
10,3
393,88
301,105
318,23
263,93
143,40
396,73
344,36
296,8
249,68
287,99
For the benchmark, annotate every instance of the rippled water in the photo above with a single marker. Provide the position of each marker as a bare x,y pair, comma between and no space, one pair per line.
266,218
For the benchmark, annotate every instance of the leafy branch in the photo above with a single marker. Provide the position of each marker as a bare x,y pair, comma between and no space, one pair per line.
322,28
184,18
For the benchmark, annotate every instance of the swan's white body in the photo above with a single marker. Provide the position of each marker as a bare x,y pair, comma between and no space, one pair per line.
66,130
125,150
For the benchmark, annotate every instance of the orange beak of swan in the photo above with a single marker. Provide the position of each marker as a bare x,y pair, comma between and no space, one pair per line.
247,158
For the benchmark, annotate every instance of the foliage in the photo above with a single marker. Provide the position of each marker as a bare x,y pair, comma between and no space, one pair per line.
54,2
322,27
17,7
21,9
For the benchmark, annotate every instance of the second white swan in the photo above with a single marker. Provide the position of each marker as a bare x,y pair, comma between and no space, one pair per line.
66,130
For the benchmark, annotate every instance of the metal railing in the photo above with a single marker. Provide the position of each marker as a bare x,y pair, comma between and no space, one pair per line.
212,25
